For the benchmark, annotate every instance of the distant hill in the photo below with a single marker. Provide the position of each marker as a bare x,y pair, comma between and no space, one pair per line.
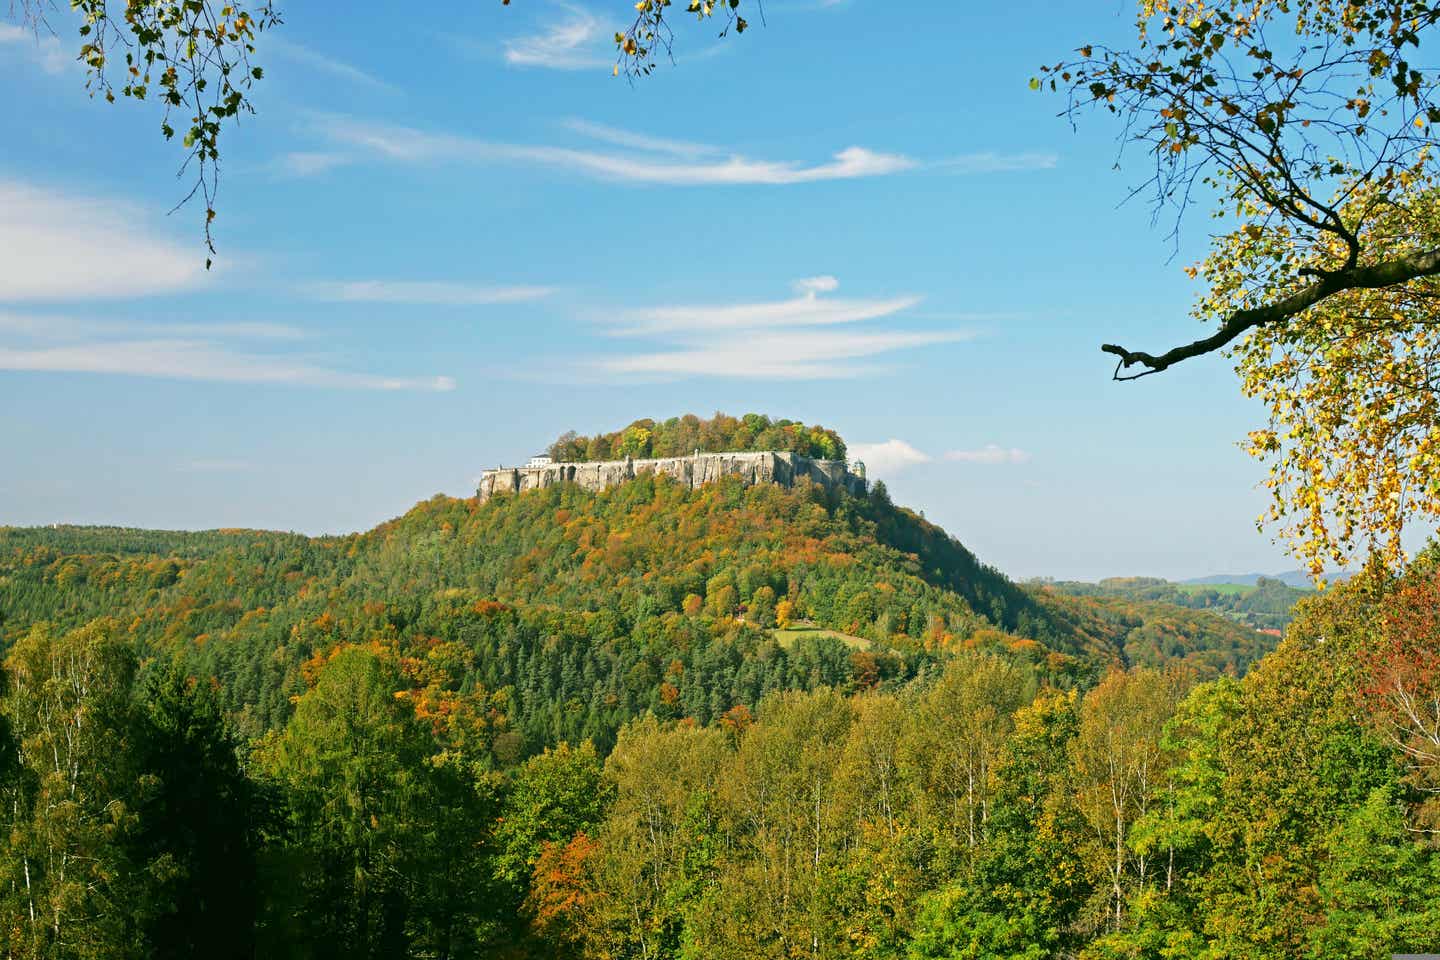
1298,579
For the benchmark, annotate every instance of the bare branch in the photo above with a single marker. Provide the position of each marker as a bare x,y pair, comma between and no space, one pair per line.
1395,272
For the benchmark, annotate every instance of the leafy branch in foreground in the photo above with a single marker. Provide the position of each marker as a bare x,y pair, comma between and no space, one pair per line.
650,32
1289,131
1310,125
191,55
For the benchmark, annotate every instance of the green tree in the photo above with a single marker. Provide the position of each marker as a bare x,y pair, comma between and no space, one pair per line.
782,807
660,841
71,888
958,730
352,765
1119,764
1023,889
551,797
1379,886
197,825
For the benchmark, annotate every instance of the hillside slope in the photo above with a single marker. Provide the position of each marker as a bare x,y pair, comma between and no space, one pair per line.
561,613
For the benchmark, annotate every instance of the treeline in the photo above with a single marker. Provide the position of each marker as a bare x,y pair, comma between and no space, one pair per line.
976,810
682,436
133,828
1266,606
978,814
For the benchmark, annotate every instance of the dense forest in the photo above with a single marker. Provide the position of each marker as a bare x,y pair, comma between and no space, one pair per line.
682,436
422,740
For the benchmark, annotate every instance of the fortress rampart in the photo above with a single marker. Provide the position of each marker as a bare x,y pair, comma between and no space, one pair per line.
779,467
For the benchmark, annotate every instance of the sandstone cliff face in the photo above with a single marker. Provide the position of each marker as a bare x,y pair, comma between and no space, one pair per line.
764,467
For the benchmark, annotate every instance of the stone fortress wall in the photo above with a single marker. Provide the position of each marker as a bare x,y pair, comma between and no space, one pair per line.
779,467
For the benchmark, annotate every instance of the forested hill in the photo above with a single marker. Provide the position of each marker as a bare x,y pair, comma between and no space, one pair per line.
560,614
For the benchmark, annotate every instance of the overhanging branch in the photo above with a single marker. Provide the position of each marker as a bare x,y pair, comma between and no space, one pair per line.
1387,274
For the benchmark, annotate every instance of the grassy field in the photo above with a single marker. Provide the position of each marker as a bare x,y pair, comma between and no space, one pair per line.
1238,589
791,635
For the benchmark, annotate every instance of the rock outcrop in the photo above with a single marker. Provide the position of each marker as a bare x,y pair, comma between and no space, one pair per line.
763,467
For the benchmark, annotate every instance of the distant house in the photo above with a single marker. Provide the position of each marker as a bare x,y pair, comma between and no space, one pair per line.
541,460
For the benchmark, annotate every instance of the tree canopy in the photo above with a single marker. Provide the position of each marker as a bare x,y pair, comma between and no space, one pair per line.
682,436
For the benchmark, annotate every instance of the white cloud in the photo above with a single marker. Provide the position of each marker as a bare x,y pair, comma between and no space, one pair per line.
309,163
999,162
806,311
780,355
419,292
570,44
816,285
200,360
239,331
989,455
43,47
66,247
53,327
889,457
768,340
303,55
416,146
639,141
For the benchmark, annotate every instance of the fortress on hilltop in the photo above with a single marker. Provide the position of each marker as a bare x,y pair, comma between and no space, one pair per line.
769,466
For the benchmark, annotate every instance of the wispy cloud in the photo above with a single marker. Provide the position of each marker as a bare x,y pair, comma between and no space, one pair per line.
217,351
60,246
573,43
807,310
422,293
989,455
200,360
815,285
309,163
53,327
409,145
638,141
786,355
893,455
41,46
303,55
888,457
786,339
990,162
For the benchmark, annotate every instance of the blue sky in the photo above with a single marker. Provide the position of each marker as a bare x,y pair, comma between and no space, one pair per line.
446,239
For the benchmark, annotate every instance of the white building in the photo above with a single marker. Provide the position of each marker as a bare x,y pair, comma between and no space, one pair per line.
540,460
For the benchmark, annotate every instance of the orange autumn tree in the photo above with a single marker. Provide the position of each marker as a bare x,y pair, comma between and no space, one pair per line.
1403,693
561,890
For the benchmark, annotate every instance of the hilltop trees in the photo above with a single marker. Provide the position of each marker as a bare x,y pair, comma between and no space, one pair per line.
682,436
